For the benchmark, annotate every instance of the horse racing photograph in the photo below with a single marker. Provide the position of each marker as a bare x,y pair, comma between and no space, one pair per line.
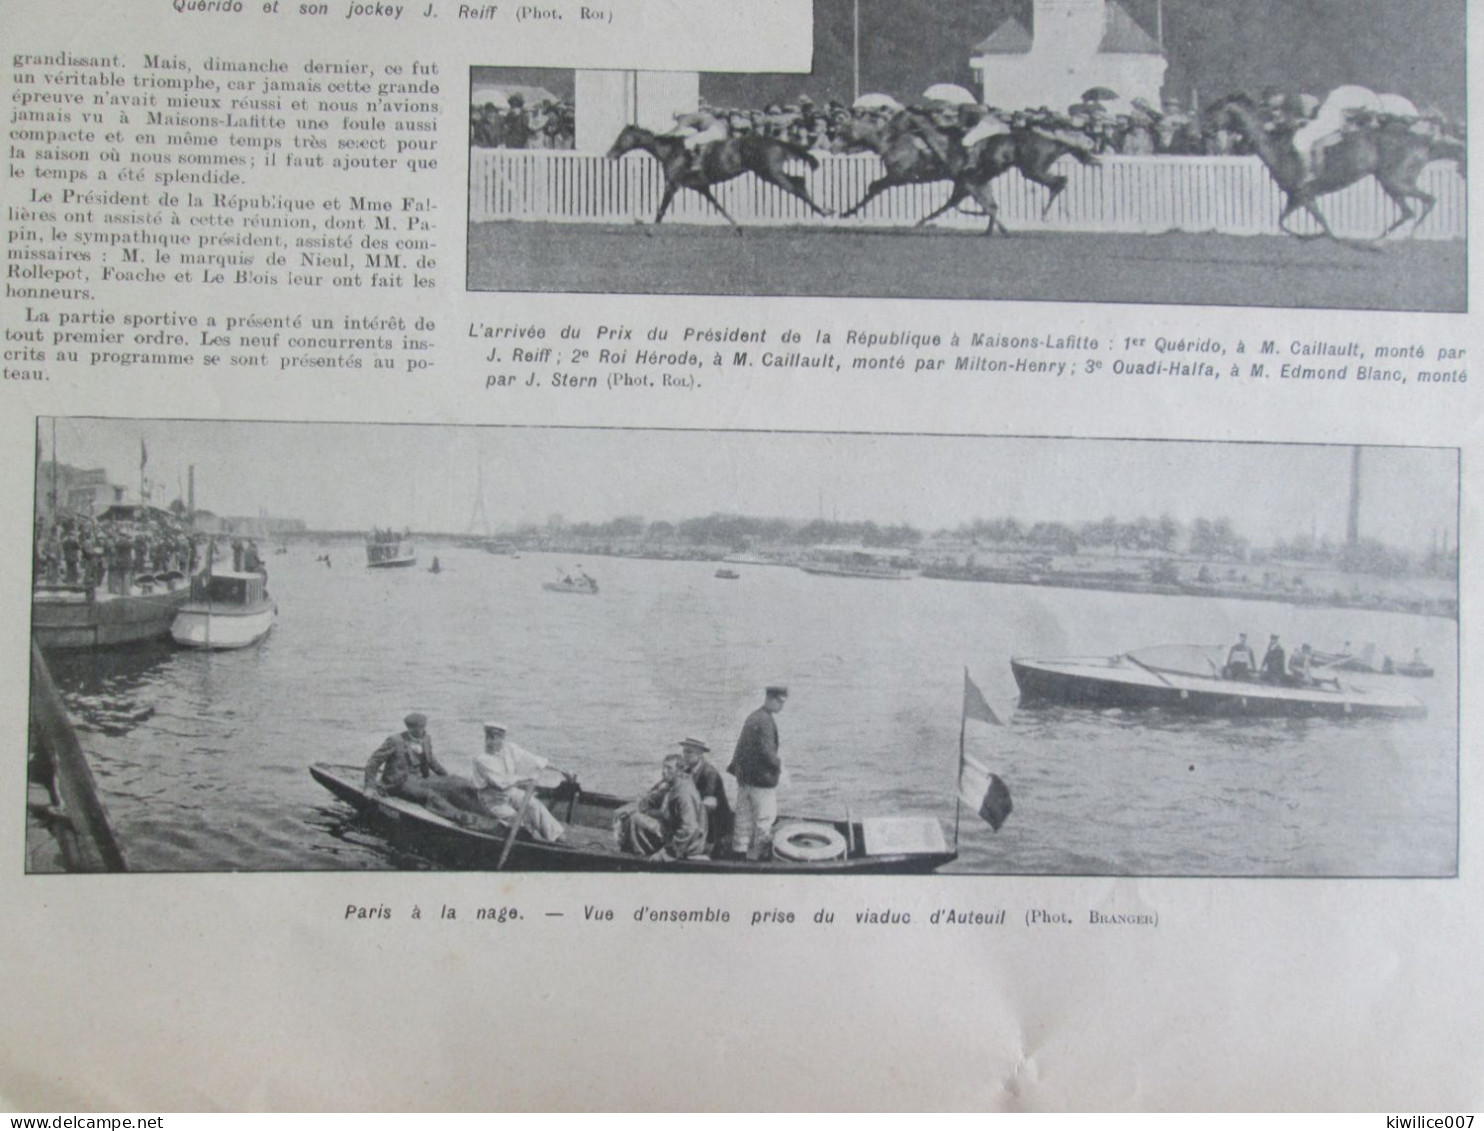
1270,153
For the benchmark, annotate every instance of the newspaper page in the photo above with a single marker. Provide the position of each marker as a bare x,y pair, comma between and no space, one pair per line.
699,555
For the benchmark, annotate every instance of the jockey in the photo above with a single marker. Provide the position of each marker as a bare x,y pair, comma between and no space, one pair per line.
1327,128
990,124
700,127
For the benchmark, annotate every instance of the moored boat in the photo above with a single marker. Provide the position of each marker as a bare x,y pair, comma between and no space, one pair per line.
879,845
727,575
1188,679
108,597
227,610
877,567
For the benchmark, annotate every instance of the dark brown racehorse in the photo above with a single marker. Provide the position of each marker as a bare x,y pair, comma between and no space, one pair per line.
718,161
909,161
1389,151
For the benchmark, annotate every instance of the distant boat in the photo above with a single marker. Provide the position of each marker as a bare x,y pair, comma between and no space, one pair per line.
877,567
1187,679
385,550
582,585
728,574
228,610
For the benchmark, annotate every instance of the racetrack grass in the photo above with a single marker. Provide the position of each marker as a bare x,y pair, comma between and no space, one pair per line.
1177,268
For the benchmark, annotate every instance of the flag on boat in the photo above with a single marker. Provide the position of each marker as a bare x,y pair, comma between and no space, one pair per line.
143,455
984,792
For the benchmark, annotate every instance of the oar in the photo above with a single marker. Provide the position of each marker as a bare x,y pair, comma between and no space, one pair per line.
515,827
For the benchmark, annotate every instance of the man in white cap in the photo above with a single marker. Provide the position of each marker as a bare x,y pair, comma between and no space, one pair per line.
757,767
504,774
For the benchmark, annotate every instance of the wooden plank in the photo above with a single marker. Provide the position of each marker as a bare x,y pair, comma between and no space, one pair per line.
94,848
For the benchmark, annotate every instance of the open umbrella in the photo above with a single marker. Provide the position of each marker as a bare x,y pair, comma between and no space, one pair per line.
481,95
951,93
876,102
1100,94
1399,105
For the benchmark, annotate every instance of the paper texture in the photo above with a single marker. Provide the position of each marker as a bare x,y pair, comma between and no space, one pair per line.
306,273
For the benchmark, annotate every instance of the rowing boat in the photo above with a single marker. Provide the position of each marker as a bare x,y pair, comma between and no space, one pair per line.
1188,679
899,845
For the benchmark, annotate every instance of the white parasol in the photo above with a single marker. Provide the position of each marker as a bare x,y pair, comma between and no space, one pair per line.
951,93
482,95
876,102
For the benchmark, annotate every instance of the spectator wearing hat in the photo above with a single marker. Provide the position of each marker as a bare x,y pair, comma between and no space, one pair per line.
405,766
756,766
713,791
504,774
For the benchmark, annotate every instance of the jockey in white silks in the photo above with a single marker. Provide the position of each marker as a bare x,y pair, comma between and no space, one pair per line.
989,125
699,128
1327,128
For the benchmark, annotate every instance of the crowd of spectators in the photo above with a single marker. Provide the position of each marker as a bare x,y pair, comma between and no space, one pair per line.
124,556
546,124
1108,126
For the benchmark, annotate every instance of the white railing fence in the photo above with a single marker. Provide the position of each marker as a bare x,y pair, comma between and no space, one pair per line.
1232,195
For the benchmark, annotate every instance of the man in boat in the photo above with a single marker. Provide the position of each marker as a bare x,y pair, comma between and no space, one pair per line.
713,792
405,766
667,823
1241,663
1275,662
757,767
505,774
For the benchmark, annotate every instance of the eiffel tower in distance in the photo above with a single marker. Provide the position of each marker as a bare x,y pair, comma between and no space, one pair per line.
479,522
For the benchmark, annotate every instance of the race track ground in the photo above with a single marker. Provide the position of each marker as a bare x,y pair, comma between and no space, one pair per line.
1179,268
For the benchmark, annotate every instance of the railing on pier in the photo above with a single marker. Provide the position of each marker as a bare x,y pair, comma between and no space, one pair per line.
81,827
1149,195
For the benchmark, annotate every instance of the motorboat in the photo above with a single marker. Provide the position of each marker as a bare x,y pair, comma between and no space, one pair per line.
229,609
386,550
1189,679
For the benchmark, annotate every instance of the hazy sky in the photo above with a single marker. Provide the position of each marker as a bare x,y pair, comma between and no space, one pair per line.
352,476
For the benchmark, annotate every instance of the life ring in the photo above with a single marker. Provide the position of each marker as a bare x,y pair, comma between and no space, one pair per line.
807,842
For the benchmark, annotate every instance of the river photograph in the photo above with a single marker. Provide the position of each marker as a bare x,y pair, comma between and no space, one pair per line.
598,595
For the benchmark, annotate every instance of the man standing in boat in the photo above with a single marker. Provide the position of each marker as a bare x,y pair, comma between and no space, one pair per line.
1275,662
404,766
504,774
1241,663
757,766
712,789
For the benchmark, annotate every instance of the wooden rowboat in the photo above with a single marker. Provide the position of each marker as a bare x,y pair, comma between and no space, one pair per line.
900,845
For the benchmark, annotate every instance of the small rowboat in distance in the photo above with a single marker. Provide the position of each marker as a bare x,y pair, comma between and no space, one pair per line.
895,846
227,610
728,574
583,586
1187,679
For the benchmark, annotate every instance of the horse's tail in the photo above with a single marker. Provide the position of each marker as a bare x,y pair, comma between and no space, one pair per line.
799,152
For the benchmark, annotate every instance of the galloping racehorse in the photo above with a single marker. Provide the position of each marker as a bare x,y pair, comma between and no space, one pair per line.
908,163
1389,151
719,161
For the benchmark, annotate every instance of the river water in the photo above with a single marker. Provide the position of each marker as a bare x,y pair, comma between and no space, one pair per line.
201,758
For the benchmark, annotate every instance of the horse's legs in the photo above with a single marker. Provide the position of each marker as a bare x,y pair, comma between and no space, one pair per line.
670,189
985,196
1056,184
794,185
959,192
878,186
1293,204
705,190
1400,196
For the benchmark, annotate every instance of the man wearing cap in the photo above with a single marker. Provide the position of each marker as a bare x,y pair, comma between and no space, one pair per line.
1274,662
404,766
712,789
756,766
504,774
1241,663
